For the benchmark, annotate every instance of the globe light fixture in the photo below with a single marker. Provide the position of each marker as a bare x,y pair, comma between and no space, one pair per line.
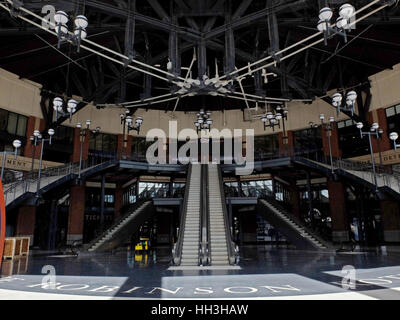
394,136
348,105
377,134
16,144
204,121
79,33
273,119
128,123
343,23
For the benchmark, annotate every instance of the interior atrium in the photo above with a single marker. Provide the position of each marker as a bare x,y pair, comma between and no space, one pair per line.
200,149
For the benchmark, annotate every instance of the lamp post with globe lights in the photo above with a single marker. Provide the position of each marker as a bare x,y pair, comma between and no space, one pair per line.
43,140
58,104
127,121
16,144
374,131
328,128
341,105
83,134
394,136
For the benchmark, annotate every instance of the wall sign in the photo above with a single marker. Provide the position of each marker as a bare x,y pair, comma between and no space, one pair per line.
388,158
25,164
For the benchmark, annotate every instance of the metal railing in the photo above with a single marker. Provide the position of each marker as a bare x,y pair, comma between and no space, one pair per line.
233,249
177,248
204,248
132,208
28,183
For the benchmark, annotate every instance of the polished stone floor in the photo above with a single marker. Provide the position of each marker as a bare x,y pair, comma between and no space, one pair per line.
264,272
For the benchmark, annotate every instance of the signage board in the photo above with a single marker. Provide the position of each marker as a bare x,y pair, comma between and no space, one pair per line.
25,164
389,157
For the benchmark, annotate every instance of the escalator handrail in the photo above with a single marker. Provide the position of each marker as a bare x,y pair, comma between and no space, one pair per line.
204,222
232,248
177,249
132,209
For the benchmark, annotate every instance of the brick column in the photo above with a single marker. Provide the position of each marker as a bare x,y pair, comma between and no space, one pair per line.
384,143
26,222
119,193
32,125
390,220
77,146
294,199
336,152
337,203
124,148
76,214
286,148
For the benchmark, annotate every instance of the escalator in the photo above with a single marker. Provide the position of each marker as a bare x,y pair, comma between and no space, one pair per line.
123,228
222,249
204,236
289,226
187,248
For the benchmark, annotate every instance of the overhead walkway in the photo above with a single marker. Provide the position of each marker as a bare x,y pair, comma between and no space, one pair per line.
27,188
123,228
293,230
360,173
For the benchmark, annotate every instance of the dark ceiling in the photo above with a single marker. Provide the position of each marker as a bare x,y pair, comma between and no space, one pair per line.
232,33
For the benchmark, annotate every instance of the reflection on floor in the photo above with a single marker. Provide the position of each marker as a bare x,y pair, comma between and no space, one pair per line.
266,272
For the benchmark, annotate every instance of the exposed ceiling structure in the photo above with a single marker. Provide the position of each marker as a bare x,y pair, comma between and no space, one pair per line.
221,35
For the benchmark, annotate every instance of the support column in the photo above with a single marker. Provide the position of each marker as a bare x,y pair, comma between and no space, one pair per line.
337,203
77,147
295,199
102,207
118,198
336,152
390,220
76,214
124,146
286,143
26,222
384,143
32,125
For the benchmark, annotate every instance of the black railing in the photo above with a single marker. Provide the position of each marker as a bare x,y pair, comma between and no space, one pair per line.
132,208
233,249
269,196
204,258
177,249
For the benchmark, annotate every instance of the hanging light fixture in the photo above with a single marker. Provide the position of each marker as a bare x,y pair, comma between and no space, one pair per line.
343,23
273,119
61,20
204,121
